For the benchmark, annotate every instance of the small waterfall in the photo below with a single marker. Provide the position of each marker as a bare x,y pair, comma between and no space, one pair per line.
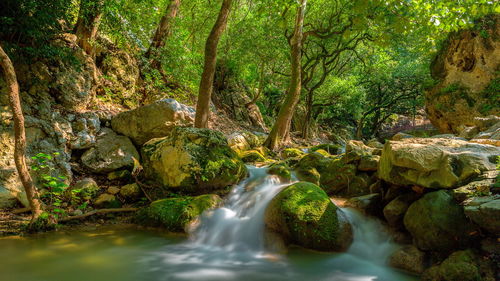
227,244
239,224
371,241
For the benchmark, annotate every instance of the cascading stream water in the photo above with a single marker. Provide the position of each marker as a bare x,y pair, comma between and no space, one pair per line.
239,224
228,244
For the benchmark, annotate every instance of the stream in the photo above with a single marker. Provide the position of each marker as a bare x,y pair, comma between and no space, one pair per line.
227,244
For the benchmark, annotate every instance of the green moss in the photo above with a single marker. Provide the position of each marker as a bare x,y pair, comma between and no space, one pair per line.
291,153
175,214
308,174
460,265
328,147
280,169
305,213
337,175
250,156
210,162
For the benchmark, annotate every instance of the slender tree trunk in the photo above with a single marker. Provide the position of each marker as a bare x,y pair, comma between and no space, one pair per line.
207,78
306,129
19,134
163,31
359,129
87,25
281,128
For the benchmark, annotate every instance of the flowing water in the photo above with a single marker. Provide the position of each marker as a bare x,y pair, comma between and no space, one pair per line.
227,244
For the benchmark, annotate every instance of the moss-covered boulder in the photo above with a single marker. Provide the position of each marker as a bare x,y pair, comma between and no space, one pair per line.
175,214
291,153
328,147
337,176
280,169
192,160
304,215
354,150
438,223
461,265
251,156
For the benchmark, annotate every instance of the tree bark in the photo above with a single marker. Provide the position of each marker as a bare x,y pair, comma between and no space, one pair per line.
19,135
87,25
306,129
163,31
281,128
207,78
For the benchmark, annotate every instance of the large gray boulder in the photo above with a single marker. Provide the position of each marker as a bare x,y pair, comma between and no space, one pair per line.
435,162
154,120
111,152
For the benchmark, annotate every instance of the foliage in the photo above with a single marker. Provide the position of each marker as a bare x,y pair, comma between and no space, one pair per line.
54,187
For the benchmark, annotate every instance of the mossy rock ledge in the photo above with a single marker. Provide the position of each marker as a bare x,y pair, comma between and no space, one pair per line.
192,160
176,214
304,215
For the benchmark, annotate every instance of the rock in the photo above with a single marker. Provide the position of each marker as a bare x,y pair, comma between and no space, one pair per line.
241,141
435,163
491,133
119,175
438,223
461,265
113,190
336,176
448,136
304,215
154,120
468,81
106,200
480,187
88,186
328,147
468,132
175,214
374,143
280,169
291,153
131,191
369,163
401,136
369,204
359,185
120,71
111,152
238,142
251,156
408,258
192,160
395,211
77,212
308,174
485,212
354,150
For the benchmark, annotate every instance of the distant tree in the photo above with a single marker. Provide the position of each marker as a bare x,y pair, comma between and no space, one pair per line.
163,31
281,127
19,135
207,78
87,25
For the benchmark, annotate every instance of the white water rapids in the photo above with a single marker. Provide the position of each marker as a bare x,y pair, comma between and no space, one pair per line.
228,244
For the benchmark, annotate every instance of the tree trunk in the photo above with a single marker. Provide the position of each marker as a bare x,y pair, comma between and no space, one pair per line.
207,78
281,128
359,129
306,129
163,31
89,18
19,134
